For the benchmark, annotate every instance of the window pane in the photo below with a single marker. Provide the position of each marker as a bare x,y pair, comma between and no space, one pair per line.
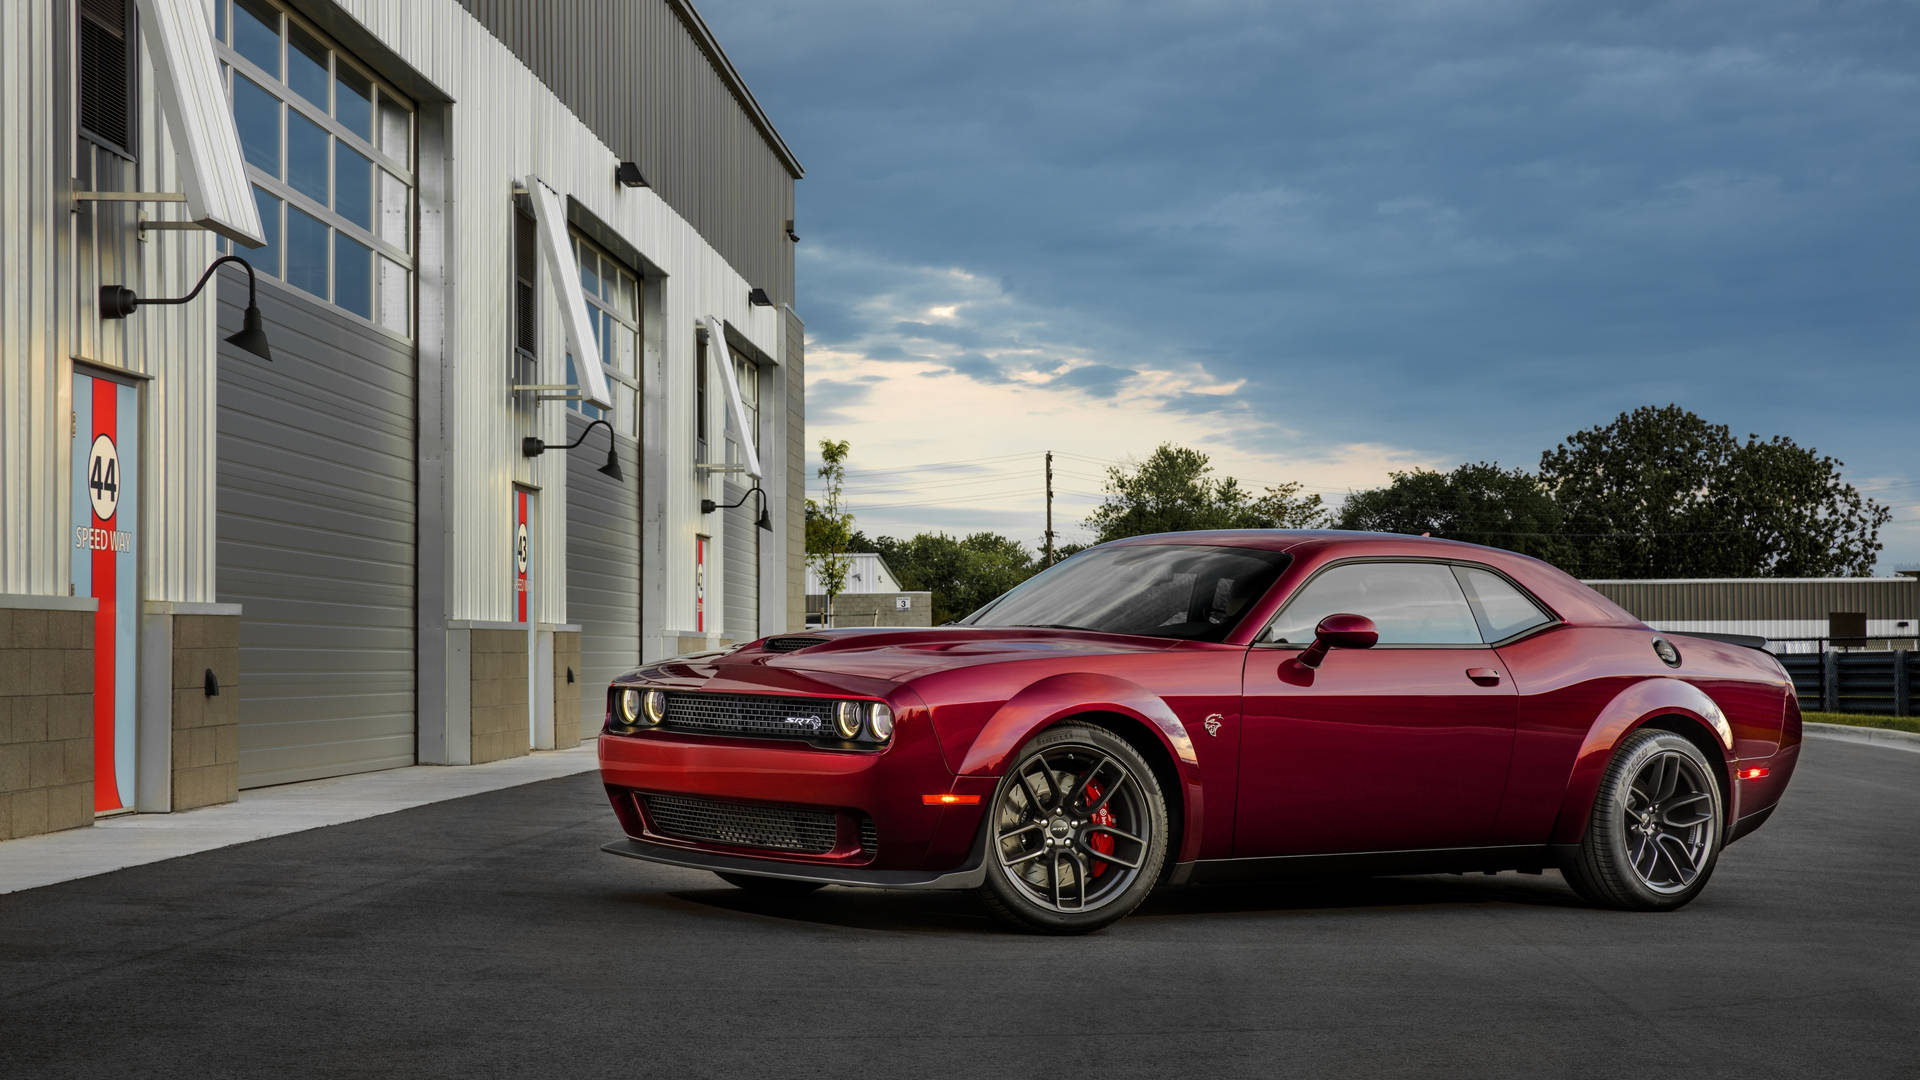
353,186
306,252
220,20
625,345
307,156
395,203
266,258
396,131
1503,610
1410,604
307,66
396,296
589,271
353,100
257,114
256,34
352,275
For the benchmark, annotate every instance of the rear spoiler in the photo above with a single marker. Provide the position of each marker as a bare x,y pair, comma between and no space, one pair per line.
1745,641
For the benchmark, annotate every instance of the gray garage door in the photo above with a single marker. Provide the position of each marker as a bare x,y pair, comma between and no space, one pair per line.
741,565
603,566
316,539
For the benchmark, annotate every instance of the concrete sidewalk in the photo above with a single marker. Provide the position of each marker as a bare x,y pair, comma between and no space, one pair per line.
137,839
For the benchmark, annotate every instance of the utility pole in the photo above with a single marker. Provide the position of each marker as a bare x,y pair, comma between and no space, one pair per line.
1049,557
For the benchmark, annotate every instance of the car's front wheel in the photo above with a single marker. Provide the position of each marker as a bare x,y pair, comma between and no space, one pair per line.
1654,836
1078,832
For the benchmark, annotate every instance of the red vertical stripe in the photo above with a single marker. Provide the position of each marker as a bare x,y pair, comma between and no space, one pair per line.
106,569
520,576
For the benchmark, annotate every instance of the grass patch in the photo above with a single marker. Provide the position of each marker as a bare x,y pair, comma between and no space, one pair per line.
1895,723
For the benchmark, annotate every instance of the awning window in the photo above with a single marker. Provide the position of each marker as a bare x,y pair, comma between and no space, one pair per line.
550,218
187,82
718,353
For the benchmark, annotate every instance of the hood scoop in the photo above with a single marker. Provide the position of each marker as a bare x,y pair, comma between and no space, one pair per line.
790,644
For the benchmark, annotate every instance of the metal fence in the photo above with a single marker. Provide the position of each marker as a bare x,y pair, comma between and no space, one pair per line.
1855,682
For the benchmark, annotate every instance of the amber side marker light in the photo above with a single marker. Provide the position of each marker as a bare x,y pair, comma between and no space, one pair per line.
1754,774
950,800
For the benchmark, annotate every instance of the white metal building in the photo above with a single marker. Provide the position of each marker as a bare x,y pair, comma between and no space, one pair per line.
476,228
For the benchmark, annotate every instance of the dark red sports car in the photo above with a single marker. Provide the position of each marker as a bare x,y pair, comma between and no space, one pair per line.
1195,706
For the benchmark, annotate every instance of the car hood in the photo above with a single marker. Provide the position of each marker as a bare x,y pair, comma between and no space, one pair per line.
850,657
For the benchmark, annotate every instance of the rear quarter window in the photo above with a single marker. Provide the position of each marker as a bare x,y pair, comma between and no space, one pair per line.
1502,610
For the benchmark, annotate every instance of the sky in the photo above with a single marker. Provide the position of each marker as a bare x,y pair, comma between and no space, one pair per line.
1324,241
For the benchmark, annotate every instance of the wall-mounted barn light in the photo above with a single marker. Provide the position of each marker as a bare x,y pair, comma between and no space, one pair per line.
791,235
118,302
708,506
532,447
628,175
759,298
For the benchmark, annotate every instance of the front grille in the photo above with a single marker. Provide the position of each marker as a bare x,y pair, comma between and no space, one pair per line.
752,715
869,841
753,825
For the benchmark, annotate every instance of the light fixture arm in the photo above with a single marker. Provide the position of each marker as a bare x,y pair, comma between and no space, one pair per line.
708,506
533,447
118,301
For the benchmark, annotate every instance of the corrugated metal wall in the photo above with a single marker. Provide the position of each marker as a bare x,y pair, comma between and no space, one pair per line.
1762,599
741,565
603,566
508,124
317,512
795,362
51,264
639,77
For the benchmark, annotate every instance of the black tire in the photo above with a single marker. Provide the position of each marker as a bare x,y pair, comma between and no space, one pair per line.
1657,825
1044,849
770,886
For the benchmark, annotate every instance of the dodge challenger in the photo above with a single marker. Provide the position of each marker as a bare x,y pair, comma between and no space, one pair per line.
1200,706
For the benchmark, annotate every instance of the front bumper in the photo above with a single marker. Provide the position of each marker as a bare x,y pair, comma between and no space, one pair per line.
694,859
912,841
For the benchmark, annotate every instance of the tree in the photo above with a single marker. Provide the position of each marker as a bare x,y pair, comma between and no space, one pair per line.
1174,490
962,573
1480,503
829,525
1661,492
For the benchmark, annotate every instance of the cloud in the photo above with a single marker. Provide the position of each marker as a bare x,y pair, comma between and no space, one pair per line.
1459,228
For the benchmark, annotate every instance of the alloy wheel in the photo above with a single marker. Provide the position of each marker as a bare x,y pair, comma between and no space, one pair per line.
1072,830
1669,810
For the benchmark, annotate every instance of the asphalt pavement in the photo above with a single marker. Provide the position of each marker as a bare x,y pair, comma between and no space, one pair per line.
489,936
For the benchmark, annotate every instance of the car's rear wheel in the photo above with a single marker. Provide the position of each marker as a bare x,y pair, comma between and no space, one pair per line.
1654,835
769,886
1077,832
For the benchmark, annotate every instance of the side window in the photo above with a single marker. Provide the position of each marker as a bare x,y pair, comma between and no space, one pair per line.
1410,603
1501,609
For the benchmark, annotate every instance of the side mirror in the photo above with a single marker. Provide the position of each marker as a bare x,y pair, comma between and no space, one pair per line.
1339,632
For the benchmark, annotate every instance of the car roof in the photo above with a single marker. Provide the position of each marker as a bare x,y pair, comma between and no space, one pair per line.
1569,598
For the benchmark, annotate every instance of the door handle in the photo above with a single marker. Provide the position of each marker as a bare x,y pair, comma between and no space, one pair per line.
1485,676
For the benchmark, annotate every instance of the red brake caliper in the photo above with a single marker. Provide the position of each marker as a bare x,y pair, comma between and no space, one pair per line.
1100,842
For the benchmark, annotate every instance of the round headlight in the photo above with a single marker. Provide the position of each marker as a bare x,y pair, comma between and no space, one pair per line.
629,706
847,719
656,706
880,721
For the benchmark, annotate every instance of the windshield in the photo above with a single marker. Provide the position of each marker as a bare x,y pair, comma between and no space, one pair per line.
1158,590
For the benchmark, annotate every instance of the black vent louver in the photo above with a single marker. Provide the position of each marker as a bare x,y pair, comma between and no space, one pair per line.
789,644
107,73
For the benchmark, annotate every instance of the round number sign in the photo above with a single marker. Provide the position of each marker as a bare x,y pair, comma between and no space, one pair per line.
520,547
103,478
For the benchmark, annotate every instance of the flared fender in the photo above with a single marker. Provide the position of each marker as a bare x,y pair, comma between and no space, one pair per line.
1628,711
1059,697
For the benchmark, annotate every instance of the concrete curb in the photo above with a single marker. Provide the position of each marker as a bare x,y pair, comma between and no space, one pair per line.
1882,737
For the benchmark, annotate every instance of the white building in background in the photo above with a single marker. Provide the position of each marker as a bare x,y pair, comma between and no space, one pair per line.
477,228
867,572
